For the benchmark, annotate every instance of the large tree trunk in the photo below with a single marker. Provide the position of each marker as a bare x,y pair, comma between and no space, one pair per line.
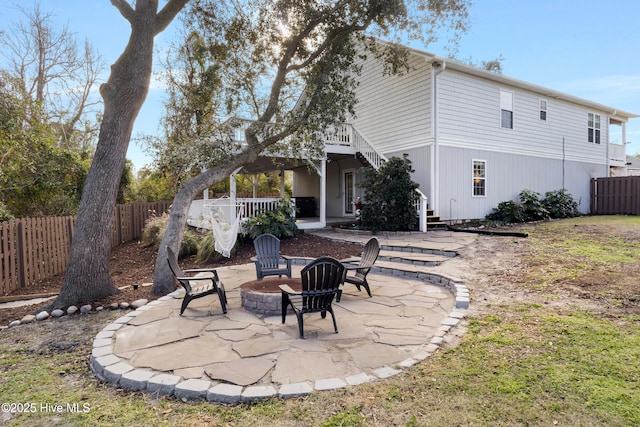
163,280
87,276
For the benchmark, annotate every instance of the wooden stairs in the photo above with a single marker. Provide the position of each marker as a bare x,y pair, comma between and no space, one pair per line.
433,221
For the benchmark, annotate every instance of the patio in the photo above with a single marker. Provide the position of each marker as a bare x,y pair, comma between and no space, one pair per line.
242,356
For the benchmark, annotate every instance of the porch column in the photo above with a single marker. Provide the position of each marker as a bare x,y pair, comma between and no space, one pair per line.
323,192
281,182
232,186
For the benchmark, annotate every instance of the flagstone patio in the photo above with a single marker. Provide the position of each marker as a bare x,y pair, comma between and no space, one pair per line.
242,356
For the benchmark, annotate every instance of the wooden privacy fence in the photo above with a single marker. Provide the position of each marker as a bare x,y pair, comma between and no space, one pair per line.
33,249
619,195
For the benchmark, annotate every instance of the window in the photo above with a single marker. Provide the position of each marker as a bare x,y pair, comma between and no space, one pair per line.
543,110
593,128
506,109
479,178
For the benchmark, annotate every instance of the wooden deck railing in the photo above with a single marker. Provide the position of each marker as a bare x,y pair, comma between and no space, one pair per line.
32,249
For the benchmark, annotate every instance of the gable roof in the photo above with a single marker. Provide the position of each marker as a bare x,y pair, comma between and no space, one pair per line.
452,64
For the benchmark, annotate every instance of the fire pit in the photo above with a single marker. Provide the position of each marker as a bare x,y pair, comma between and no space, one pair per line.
263,296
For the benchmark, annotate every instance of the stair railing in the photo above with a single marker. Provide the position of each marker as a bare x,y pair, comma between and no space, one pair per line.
376,160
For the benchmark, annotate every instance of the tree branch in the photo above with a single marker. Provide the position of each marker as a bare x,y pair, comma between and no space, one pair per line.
124,9
168,13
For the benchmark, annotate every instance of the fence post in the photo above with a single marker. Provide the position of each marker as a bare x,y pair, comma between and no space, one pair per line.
21,251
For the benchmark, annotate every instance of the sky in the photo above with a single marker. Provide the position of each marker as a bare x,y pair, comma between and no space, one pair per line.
587,48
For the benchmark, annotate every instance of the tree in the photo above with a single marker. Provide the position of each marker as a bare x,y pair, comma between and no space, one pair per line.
269,52
52,77
87,276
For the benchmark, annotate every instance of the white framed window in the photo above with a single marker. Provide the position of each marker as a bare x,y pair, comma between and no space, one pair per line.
506,109
593,128
479,181
543,110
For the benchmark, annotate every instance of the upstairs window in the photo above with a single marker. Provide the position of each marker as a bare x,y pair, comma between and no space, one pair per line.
543,110
593,128
506,109
479,178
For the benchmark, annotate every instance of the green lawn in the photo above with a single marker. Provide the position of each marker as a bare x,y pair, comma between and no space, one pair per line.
533,362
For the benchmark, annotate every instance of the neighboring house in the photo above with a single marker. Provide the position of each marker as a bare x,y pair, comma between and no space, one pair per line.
475,139
633,166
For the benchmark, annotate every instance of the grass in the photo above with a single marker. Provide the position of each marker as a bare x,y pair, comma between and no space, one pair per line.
528,363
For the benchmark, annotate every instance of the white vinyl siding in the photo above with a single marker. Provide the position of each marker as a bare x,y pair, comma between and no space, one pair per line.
468,118
394,112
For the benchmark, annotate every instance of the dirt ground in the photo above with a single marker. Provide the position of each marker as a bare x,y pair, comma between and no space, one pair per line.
133,264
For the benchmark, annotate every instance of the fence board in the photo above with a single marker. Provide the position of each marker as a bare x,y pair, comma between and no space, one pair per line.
33,249
615,195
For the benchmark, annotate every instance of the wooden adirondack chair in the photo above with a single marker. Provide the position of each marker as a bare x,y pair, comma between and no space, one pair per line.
209,286
368,258
268,260
320,282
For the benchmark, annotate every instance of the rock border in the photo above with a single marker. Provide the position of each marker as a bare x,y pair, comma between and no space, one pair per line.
110,368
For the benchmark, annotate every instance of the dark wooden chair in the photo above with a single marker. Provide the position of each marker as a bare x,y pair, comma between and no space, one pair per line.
209,286
268,260
320,282
366,261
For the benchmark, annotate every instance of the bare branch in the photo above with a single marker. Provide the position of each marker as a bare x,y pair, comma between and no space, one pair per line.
125,9
168,13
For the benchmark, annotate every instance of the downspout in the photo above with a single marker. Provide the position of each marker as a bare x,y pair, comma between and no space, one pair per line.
436,69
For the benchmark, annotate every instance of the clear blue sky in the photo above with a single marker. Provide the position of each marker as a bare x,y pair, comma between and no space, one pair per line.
587,48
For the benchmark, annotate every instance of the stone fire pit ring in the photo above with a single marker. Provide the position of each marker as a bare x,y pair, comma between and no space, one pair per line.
263,296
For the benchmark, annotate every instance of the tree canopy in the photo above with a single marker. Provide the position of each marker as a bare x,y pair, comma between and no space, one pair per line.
291,68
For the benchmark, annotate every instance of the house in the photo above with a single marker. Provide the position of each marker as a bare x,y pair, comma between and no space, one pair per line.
475,139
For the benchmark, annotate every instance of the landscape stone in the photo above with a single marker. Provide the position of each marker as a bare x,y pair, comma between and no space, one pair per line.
135,380
294,390
43,315
242,371
114,306
251,394
57,313
86,309
29,318
163,384
72,310
225,393
192,389
99,308
329,384
139,303
14,323
123,305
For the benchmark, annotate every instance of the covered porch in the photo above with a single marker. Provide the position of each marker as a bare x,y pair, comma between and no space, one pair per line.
324,191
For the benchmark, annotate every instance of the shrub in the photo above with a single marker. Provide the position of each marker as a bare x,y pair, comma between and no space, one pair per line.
154,230
389,196
507,212
206,248
532,207
280,221
560,204
5,214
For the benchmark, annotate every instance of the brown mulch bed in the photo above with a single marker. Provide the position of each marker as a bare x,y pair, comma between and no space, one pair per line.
132,263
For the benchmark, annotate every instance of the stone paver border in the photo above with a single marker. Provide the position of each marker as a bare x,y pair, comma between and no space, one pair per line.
110,368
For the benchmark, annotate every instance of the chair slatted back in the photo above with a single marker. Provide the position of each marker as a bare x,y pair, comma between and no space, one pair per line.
369,257
175,268
267,248
320,281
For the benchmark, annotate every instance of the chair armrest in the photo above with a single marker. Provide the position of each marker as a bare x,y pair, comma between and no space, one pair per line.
200,270
352,267
288,290
286,257
352,259
193,278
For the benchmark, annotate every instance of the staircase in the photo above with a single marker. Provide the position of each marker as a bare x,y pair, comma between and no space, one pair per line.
369,156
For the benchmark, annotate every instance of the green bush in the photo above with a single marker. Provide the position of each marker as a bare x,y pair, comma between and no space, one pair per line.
389,197
5,215
529,207
560,204
532,207
280,222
